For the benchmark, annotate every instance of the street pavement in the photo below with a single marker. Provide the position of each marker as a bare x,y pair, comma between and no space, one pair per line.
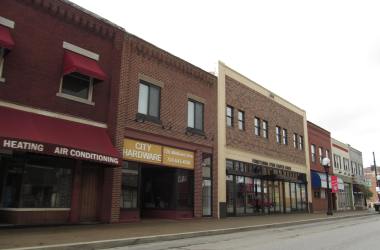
349,234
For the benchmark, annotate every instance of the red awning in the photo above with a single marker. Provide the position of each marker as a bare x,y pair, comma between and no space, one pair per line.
6,40
74,62
25,131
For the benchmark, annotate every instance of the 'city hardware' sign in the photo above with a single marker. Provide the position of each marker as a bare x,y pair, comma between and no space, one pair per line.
50,149
156,154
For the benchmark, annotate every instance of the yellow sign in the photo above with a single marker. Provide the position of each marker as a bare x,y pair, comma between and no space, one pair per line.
178,158
142,151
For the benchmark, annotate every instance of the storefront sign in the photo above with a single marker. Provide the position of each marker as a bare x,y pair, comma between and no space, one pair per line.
142,151
50,149
178,158
152,153
334,184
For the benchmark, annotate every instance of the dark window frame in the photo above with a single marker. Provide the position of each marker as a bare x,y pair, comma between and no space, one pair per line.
148,116
313,153
257,126
231,118
285,136
278,134
196,130
265,129
241,122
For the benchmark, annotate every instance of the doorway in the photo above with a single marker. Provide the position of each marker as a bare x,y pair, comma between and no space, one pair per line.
91,185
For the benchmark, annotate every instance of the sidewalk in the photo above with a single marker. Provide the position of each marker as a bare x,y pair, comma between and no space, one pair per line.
150,230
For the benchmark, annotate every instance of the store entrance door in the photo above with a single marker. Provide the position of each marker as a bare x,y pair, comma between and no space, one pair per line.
90,198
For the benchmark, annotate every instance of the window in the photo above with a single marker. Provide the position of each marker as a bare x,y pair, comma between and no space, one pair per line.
346,164
206,185
327,153
285,136
265,129
336,164
320,152
2,54
241,120
77,86
313,153
278,134
149,100
195,115
129,185
37,182
257,126
230,116
300,142
295,136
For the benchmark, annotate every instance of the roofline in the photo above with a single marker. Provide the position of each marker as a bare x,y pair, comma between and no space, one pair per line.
76,6
248,79
313,124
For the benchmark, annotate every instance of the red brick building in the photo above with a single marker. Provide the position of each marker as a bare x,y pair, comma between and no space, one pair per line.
319,148
167,120
59,78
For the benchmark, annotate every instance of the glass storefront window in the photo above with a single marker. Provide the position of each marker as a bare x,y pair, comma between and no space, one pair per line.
230,194
206,185
293,195
33,181
129,185
299,197
258,196
240,195
288,199
303,194
250,195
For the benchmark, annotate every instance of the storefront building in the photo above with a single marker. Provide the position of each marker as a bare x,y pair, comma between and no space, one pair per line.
57,153
168,114
261,150
341,168
357,173
319,148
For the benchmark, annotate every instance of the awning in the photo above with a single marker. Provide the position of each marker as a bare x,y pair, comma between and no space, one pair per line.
25,131
6,40
74,62
318,180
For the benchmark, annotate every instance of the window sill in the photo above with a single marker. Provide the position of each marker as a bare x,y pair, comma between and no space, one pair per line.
142,118
2,79
76,99
195,131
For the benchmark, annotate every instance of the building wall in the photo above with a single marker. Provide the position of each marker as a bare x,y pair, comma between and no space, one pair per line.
36,62
320,138
357,171
243,94
33,69
179,81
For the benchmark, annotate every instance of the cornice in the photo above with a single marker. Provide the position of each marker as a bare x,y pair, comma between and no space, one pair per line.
73,14
148,50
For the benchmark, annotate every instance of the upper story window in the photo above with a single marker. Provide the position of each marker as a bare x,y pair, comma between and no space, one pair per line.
295,143
6,43
320,154
149,100
265,129
278,134
327,153
300,142
313,156
77,85
340,162
230,116
285,136
346,164
336,165
241,121
195,115
80,73
257,126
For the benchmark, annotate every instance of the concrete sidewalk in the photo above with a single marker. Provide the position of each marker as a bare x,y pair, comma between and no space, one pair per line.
113,235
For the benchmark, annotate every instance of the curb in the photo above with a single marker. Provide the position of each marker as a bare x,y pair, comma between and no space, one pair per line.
104,244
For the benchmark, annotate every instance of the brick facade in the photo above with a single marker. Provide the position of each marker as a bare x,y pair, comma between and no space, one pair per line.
33,71
254,104
320,138
179,79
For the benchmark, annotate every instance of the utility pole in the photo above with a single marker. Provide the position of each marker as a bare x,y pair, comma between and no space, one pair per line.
374,163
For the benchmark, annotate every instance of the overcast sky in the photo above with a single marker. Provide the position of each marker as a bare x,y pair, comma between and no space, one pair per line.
322,56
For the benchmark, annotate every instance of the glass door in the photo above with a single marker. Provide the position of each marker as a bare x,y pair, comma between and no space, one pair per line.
230,195
240,195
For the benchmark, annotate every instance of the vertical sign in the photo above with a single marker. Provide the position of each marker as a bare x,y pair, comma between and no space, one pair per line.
334,184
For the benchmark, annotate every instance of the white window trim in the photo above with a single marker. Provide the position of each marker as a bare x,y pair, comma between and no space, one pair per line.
80,51
7,23
78,99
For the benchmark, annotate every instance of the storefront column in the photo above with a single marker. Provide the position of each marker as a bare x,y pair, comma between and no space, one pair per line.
198,184
105,210
115,194
75,193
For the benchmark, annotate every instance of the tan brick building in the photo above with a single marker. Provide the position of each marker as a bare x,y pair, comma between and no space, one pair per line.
261,149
